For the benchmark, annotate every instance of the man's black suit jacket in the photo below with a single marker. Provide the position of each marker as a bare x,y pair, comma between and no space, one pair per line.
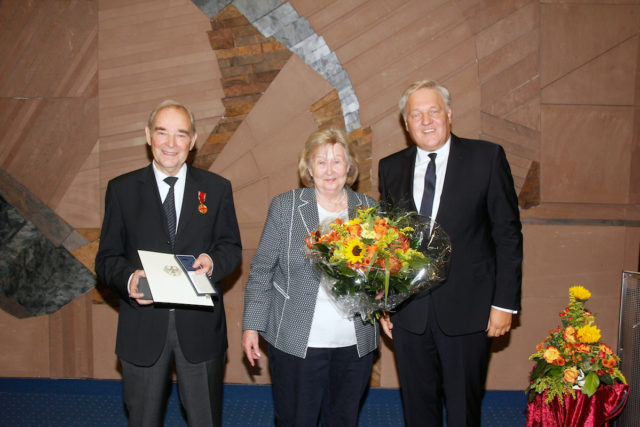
133,220
479,211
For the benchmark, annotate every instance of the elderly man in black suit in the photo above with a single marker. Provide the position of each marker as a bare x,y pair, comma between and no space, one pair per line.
198,217
442,337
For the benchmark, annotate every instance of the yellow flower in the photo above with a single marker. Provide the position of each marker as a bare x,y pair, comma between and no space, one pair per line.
354,251
579,292
589,334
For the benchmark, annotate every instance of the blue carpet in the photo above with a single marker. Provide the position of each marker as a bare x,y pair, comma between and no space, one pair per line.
47,402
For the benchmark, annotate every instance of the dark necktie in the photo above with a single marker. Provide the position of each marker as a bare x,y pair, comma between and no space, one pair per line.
429,187
169,205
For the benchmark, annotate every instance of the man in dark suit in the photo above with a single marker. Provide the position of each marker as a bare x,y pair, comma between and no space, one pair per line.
442,337
200,220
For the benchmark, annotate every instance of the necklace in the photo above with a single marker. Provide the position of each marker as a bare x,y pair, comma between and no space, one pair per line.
334,203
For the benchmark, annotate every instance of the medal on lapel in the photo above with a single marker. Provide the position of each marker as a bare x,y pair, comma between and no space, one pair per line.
202,208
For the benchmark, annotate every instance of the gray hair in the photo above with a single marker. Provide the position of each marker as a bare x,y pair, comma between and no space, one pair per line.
170,103
423,84
322,137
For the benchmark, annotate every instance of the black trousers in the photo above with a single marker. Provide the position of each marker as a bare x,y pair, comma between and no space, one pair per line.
327,385
146,388
434,368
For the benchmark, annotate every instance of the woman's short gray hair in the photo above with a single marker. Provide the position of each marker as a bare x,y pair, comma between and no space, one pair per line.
322,137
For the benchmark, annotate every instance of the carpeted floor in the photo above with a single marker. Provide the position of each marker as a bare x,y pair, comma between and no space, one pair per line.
47,402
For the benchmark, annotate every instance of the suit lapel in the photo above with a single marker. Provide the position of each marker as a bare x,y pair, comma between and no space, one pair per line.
307,209
455,167
405,179
189,202
150,197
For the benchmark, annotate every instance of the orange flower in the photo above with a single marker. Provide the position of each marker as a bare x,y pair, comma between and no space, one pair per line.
371,250
380,228
571,374
570,334
540,346
552,355
355,230
583,348
394,265
609,363
606,349
402,242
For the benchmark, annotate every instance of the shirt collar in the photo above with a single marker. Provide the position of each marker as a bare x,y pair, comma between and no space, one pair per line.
441,152
160,176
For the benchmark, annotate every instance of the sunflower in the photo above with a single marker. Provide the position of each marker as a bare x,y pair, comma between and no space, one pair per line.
354,251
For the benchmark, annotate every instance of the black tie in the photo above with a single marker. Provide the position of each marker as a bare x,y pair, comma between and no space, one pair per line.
429,187
169,205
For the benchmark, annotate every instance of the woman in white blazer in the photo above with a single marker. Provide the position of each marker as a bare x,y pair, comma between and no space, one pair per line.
320,360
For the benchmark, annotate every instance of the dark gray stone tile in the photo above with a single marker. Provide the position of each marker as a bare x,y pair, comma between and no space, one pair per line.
36,276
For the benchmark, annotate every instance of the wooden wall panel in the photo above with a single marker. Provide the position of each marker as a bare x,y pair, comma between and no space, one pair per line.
151,51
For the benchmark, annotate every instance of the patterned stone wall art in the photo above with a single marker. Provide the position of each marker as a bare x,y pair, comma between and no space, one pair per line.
36,277
38,273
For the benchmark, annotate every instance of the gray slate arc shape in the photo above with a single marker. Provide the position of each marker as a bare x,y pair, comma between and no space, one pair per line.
282,21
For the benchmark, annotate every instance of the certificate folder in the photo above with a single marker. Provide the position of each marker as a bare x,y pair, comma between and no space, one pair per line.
168,281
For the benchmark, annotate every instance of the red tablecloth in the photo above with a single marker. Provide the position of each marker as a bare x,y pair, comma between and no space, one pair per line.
595,411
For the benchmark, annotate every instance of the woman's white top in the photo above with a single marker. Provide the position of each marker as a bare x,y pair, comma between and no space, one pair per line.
330,327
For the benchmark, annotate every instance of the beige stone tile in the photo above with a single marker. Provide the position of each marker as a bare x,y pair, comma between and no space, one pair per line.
515,139
527,114
604,80
252,202
28,340
520,53
55,143
440,69
243,172
388,371
585,154
512,27
512,88
284,179
292,92
586,31
411,35
282,147
368,16
481,14
80,206
387,75
104,324
241,143
557,257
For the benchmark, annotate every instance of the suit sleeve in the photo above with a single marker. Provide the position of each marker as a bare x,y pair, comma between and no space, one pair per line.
381,183
506,232
226,246
112,265
257,297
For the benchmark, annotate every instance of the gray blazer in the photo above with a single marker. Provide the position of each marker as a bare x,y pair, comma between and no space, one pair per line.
281,293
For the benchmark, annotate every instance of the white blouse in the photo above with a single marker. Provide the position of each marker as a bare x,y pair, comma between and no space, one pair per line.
330,327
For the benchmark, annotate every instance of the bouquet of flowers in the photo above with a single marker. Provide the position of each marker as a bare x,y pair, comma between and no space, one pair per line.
374,262
572,357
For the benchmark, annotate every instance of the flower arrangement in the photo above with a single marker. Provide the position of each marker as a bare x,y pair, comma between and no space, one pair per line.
373,262
572,357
